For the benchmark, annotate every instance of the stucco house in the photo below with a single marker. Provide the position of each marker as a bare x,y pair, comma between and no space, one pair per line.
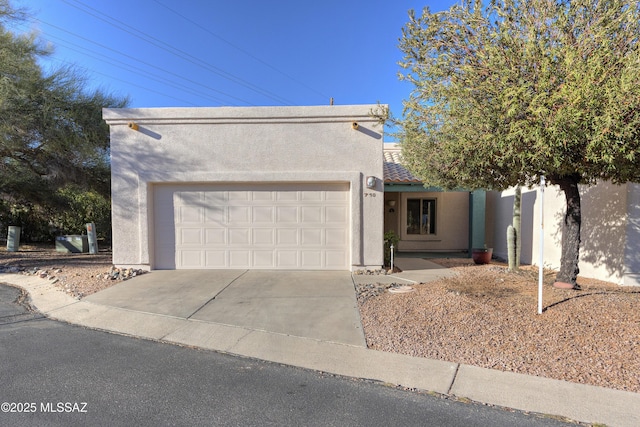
429,219
254,187
610,248
316,187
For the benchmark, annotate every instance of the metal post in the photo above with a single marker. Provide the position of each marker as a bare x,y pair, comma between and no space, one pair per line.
13,238
391,258
92,238
541,262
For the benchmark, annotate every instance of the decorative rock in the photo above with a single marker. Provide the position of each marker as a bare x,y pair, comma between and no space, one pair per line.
114,273
401,289
371,272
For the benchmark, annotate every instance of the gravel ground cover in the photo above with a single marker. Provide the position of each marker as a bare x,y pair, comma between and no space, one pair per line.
483,316
79,275
486,316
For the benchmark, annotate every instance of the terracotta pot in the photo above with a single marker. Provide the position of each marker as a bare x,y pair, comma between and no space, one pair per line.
482,255
563,285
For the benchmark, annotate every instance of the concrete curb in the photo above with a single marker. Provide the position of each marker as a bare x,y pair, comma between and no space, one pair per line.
579,402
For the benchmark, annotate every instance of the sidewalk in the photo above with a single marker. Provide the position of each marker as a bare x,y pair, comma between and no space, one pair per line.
577,402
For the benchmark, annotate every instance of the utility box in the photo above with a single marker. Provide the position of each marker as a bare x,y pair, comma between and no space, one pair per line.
93,238
13,238
72,244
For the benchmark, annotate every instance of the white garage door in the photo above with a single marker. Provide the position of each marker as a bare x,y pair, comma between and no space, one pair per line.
288,226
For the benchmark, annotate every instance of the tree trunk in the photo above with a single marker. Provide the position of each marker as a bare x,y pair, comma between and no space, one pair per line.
517,209
513,232
568,274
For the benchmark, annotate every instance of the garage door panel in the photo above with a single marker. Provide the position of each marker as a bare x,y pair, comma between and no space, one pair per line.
286,215
239,196
263,259
239,258
212,198
336,214
311,196
263,236
188,214
215,214
286,196
262,214
336,196
287,237
311,214
311,237
286,226
190,258
239,236
190,236
215,236
263,196
311,259
216,259
287,259
190,198
239,215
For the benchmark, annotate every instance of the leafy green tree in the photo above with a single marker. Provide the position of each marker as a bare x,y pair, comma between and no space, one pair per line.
511,90
84,206
51,128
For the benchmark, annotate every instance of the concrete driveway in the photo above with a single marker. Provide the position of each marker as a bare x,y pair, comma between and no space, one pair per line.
312,304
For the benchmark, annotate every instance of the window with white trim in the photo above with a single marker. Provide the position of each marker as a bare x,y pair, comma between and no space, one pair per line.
421,216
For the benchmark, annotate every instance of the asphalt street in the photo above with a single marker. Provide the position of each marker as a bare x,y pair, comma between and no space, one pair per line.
52,373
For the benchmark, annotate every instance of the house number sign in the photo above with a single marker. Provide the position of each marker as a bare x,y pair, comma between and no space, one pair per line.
369,194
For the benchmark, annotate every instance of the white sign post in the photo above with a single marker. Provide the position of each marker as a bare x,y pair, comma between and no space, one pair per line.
541,262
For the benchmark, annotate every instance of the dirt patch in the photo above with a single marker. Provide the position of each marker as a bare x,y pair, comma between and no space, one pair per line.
486,316
79,275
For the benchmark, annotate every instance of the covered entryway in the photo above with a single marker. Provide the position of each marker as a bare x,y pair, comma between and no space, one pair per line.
252,226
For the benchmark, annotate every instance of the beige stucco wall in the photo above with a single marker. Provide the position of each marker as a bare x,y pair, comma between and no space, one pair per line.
243,144
452,232
606,234
632,229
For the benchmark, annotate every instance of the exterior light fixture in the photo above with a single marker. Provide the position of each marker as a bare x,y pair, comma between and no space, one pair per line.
133,126
354,125
371,181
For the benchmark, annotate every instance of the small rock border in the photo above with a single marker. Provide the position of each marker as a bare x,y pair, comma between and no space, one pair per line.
56,275
366,291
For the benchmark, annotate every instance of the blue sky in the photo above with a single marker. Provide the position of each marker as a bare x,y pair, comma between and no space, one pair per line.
164,53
